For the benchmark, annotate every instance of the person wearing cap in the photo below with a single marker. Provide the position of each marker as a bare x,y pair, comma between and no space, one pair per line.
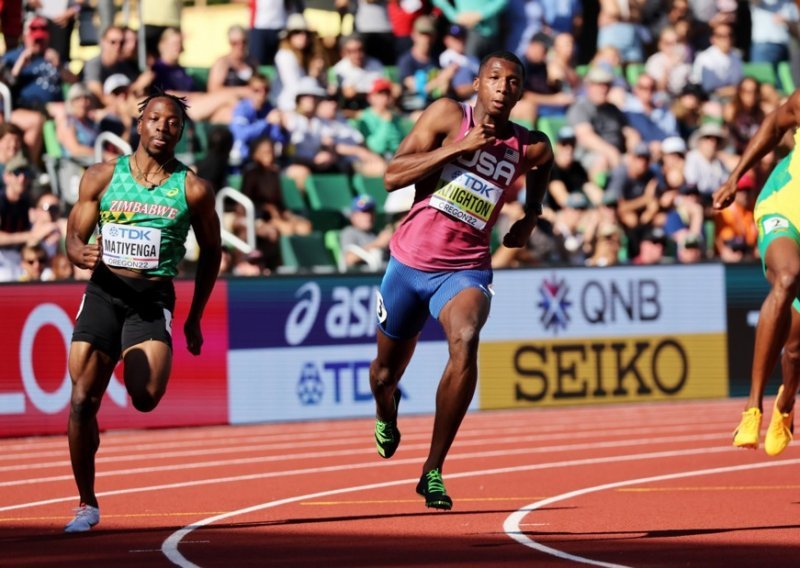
464,162
293,61
480,17
601,128
77,130
254,117
360,243
652,247
120,110
705,167
635,184
719,68
380,124
777,217
568,176
33,70
421,77
355,73
16,228
466,65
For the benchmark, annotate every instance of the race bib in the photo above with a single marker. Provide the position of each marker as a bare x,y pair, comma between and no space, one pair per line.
126,246
465,196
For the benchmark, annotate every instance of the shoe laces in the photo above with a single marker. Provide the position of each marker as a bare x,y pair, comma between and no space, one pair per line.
384,431
435,483
83,511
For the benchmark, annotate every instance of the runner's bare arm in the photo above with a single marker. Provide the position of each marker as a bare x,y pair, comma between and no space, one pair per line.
205,222
540,158
766,138
85,214
426,148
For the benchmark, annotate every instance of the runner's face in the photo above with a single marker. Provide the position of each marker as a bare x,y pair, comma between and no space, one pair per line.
499,87
160,127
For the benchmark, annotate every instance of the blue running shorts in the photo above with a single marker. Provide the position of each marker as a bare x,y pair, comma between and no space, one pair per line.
408,295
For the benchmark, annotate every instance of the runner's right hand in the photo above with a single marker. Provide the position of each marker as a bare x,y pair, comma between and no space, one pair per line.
478,137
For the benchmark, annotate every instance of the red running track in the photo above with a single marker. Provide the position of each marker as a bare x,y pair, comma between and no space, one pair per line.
629,485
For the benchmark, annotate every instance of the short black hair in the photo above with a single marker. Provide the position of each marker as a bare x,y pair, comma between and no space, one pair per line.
180,102
503,54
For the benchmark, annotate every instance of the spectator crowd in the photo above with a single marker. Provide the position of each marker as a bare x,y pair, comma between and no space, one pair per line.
648,104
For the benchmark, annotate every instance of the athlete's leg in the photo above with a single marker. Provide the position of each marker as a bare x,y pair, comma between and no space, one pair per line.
147,368
790,366
386,370
783,274
462,319
90,370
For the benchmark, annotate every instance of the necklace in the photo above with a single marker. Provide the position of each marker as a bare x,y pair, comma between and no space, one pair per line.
142,176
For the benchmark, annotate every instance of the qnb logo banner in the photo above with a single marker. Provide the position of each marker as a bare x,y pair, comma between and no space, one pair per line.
35,385
572,336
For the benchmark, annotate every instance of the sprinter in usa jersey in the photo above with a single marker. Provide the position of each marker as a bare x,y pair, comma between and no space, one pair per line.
463,162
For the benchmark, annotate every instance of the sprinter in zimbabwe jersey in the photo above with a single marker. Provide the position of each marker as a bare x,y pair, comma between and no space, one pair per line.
144,205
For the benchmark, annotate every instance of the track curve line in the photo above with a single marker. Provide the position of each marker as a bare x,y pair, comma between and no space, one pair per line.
511,526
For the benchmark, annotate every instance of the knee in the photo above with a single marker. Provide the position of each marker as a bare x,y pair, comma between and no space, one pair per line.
464,341
146,401
791,354
82,405
786,280
382,375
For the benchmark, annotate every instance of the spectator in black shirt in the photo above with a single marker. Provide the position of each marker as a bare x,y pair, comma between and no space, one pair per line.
569,176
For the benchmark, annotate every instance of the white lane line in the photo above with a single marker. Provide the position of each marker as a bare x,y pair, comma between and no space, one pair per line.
554,417
513,522
170,545
491,437
406,447
354,434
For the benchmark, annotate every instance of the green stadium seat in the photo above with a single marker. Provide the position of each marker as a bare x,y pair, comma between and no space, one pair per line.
292,196
550,125
632,72
306,252
325,220
785,76
761,72
524,123
372,186
329,191
392,73
200,77
269,71
334,245
52,147
235,181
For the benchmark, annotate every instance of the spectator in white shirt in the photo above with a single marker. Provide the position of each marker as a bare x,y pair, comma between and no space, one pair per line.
718,69
355,73
704,166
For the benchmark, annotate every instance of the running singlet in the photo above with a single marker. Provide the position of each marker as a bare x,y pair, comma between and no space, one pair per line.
450,224
781,193
143,229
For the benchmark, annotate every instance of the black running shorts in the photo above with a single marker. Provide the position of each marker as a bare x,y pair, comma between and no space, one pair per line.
118,312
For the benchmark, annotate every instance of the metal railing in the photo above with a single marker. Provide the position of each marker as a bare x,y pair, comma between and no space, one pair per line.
250,216
109,138
5,92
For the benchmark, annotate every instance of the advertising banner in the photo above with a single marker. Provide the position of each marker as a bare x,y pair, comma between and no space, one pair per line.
745,289
588,336
301,349
34,380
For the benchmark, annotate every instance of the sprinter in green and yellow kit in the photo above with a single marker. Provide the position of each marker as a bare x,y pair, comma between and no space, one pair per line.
144,205
777,215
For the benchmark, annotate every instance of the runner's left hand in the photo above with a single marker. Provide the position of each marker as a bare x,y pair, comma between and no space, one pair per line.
194,336
520,232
